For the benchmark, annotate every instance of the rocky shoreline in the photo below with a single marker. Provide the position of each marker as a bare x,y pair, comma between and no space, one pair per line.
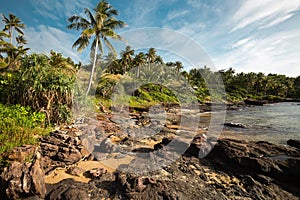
108,159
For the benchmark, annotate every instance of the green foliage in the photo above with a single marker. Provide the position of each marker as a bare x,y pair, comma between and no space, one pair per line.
43,83
106,85
19,125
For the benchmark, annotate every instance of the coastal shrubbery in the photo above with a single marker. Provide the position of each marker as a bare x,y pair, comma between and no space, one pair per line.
45,83
36,90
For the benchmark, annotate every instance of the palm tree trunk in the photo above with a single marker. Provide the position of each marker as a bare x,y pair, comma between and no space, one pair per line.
93,68
11,34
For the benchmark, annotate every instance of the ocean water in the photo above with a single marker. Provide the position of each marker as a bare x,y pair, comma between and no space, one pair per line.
275,123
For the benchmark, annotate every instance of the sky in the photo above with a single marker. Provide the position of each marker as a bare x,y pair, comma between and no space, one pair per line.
247,35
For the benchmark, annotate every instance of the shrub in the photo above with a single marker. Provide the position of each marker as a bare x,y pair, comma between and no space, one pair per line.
44,83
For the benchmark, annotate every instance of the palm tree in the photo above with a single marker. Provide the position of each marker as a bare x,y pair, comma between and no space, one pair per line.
139,60
21,40
126,57
151,56
99,26
178,66
11,23
159,60
13,53
3,43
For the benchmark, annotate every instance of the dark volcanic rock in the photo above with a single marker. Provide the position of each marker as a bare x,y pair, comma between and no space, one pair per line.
254,102
104,187
96,173
68,189
294,143
235,125
201,146
130,186
75,171
233,170
275,161
22,180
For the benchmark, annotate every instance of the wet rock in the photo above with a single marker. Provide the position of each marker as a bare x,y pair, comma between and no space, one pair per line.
254,102
22,180
294,143
235,125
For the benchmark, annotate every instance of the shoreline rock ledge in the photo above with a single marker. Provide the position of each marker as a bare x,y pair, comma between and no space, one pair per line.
234,169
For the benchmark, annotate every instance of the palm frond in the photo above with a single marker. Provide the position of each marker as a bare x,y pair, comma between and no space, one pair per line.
88,32
19,31
90,15
78,23
114,23
81,43
109,45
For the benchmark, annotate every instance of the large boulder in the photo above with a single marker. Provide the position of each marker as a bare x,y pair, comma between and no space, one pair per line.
294,143
277,161
254,102
22,180
68,189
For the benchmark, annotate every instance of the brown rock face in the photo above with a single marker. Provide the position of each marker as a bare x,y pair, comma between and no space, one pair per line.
61,149
21,154
21,180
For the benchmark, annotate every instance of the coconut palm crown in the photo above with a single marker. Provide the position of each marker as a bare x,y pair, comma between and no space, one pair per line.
13,23
97,27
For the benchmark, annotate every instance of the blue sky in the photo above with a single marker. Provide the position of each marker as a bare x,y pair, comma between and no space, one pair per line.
248,35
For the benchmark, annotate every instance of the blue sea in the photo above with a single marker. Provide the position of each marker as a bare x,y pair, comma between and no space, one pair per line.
275,123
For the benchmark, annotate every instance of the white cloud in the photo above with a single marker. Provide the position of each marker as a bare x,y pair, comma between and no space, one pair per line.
278,53
239,43
59,9
277,21
45,38
175,14
141,14
253,11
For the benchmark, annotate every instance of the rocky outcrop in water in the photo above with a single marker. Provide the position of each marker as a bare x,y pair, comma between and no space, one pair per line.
235,125
294,143
254,102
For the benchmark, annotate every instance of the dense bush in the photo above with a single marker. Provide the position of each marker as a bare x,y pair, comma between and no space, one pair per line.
43,83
